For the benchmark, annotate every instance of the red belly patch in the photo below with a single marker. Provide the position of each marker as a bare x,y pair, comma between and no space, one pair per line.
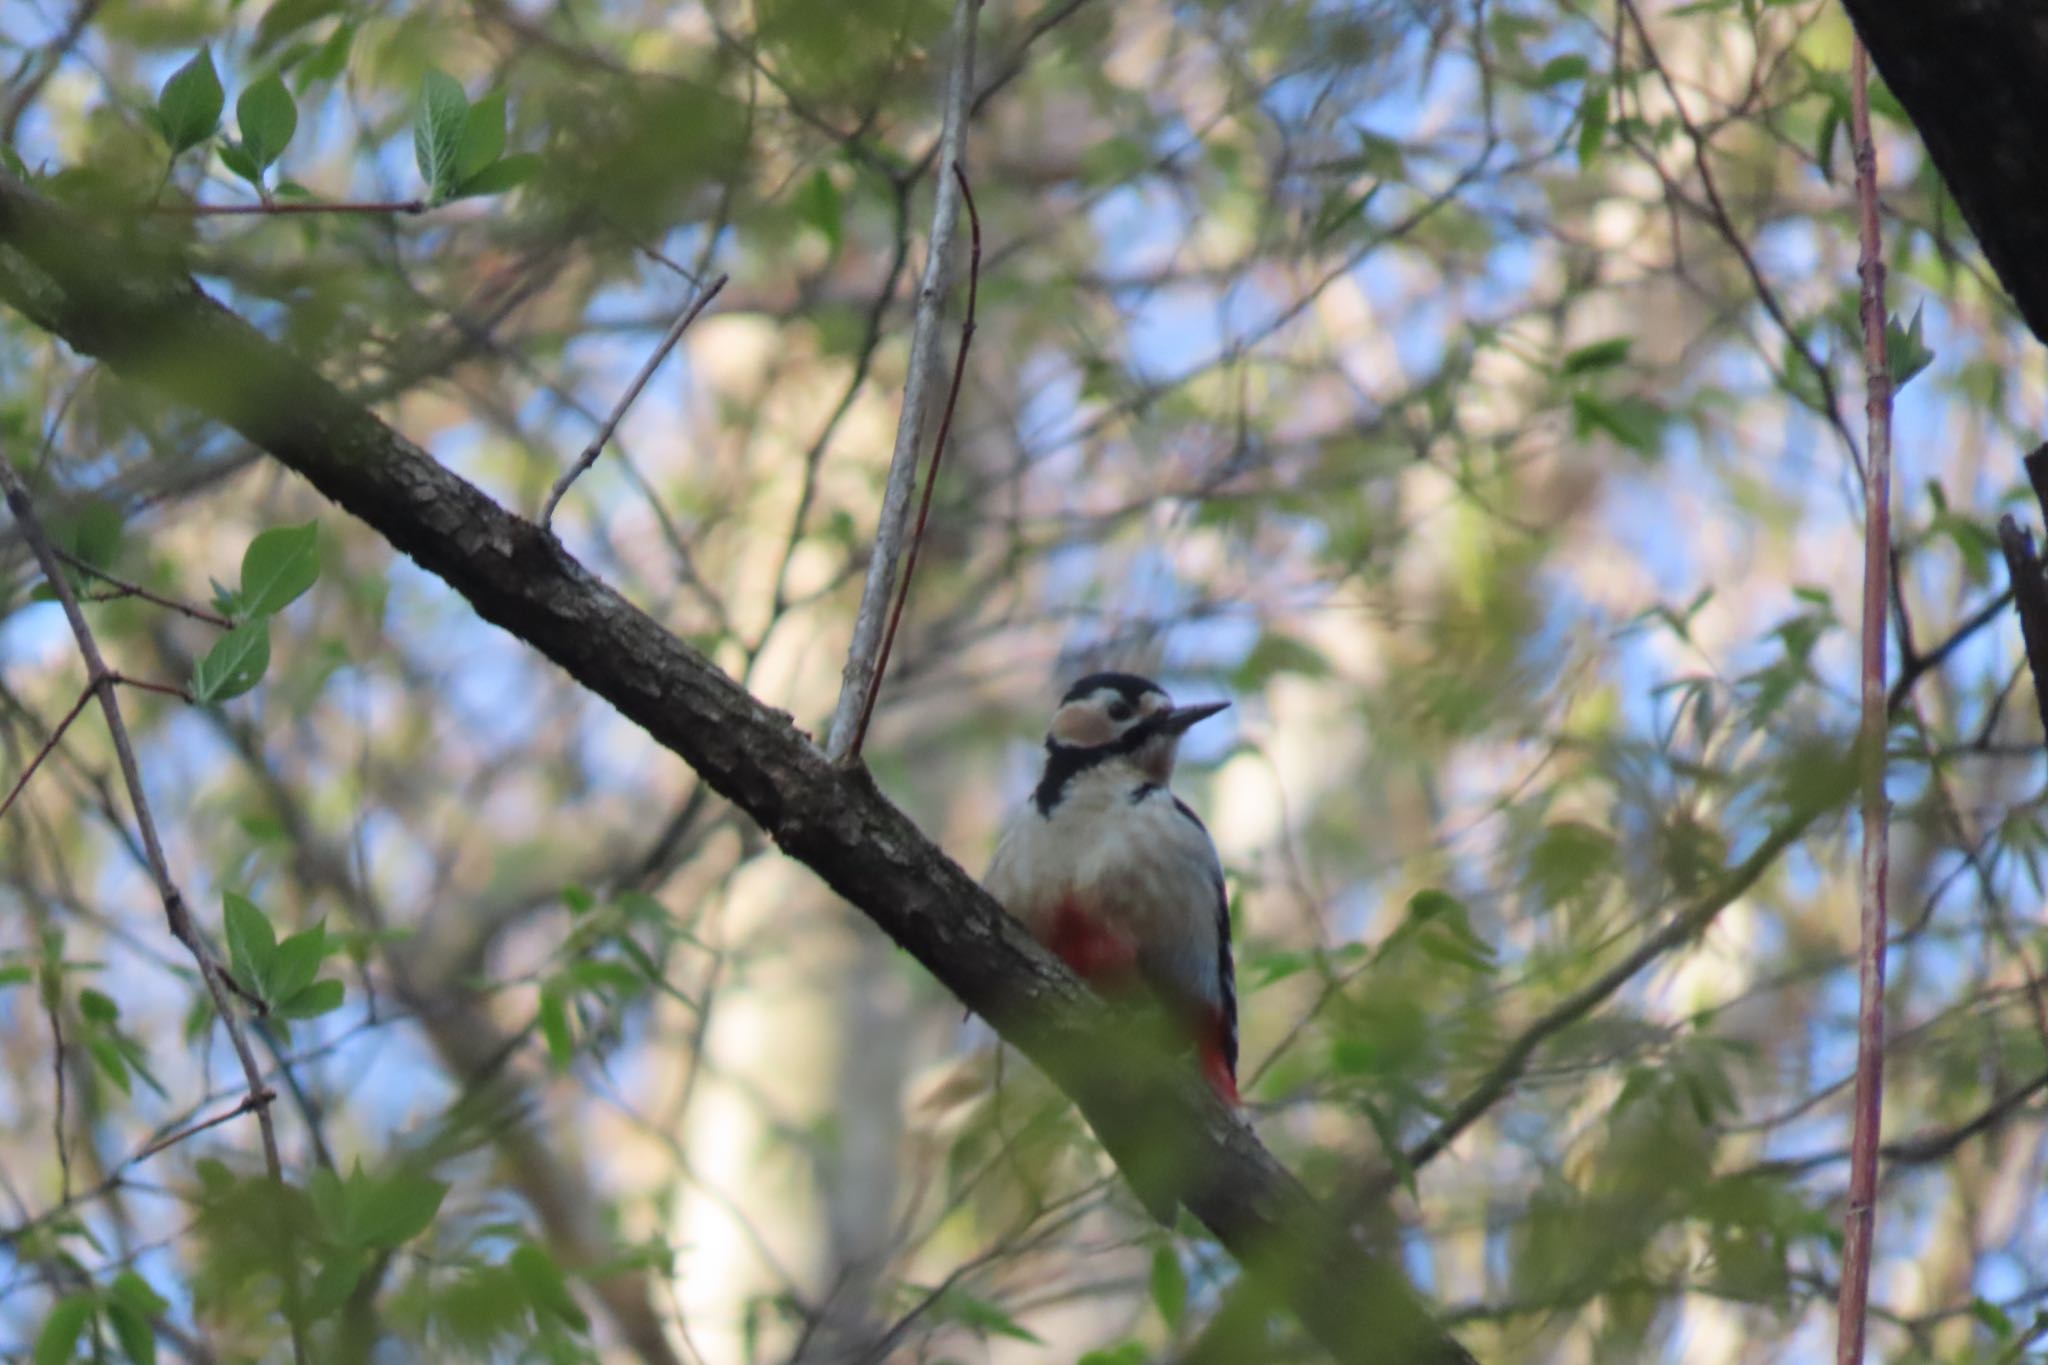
1108,961
1215,1061
1097,953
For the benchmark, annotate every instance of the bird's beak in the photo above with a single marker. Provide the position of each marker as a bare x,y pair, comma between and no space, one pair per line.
1177,720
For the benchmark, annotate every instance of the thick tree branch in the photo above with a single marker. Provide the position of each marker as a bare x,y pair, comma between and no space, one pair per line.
153,325
1971,76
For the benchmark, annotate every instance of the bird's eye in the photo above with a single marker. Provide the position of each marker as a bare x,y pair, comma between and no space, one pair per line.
1119,710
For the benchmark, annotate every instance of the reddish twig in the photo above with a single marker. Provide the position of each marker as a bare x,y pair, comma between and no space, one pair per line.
145,685
283,208
1863,1147
49,746
121,587
931,478
626,400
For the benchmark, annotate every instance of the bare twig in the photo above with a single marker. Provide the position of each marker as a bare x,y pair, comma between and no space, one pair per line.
116,1178
1682,928
123,588
285,208
864,654
1915,665
54,1008
52,57
101,682
626,400
1869,1103
1724,225
49,745
931,478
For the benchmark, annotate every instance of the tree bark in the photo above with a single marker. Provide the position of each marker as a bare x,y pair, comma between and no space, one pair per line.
1974,76
139,312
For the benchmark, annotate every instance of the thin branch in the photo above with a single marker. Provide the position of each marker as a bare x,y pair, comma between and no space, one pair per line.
1353,1296
101,682
286,208
864,654
1688,924
123,588
1861,1218
1724,225
116,1178
1917,666
49,745
54,1008
626,400
931,478
52,57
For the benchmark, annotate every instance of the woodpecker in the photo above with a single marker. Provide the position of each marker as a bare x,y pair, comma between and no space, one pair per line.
1116,875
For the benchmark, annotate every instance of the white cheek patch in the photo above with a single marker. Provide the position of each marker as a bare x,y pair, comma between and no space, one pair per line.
1082,726
1151,704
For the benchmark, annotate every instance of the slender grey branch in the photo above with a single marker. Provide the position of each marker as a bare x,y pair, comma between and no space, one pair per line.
618,413
864,654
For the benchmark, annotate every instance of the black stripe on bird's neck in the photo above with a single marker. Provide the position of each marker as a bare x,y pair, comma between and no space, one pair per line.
1065,762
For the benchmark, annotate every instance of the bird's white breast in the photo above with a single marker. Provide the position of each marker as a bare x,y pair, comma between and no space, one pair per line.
1141,867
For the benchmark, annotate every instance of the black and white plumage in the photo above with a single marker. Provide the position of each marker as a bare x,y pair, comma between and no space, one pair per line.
1115,874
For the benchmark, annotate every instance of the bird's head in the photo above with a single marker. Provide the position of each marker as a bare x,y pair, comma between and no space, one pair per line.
1120,718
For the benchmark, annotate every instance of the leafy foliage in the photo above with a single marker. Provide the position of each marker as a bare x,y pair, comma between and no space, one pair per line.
1389,369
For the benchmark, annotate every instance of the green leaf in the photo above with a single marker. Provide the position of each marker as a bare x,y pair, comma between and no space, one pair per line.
1824,142
328,59
1906,352
106,1055
131,1289
188,107
483,136
554,1028
1558,70
1123,1353
1600,355
335,1282
1169,1285
979,1315
252,944
322,997
392,1211
278,567
268,117
542,1279
235,664
1635,422
237,159
100,1009
437,132
132,1330
817,203
1592,123
1993,1317
334,1201
500,176
297,961
287,17
62,1329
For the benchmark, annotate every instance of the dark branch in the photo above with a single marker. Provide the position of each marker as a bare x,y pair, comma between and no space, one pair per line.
156,327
